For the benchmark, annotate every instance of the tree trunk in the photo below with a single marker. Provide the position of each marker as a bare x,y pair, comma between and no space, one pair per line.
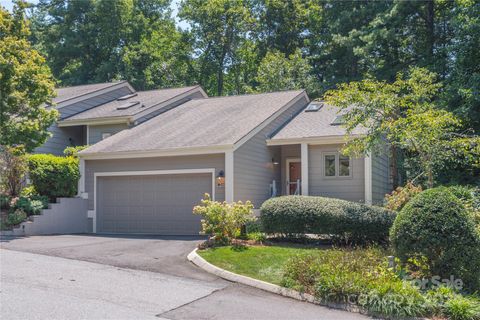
394,167
430,25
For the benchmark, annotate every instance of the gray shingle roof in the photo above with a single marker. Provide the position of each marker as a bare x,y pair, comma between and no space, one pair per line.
67,93
313,125
198,123
146,100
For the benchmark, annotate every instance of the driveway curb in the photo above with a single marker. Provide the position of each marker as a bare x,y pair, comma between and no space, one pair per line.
197,260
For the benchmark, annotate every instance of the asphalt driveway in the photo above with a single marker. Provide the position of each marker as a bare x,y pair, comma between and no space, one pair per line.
128,277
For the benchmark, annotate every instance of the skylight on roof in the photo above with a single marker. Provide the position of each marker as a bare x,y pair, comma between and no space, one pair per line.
128,96
128,105
340,119
314,107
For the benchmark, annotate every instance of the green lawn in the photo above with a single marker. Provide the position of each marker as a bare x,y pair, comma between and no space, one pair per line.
264,263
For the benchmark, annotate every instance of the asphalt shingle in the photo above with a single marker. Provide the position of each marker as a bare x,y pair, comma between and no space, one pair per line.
67,93
145,99
314,124
199,123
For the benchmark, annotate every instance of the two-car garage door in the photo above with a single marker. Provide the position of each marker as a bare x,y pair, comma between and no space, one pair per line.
151,204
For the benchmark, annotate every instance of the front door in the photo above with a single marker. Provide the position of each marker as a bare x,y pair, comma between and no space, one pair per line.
294,176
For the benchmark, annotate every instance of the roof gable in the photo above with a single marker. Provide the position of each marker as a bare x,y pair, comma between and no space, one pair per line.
210,122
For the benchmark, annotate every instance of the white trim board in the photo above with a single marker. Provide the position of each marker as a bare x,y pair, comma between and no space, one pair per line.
157,153
143,173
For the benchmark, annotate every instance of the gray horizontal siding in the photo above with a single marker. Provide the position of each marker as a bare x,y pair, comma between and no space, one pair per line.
95,132
347,188
62,138
253,167
86,104
381,184
216,161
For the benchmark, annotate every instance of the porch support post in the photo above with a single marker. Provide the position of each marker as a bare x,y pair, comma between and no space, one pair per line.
229,176
81,181
304,168
368,179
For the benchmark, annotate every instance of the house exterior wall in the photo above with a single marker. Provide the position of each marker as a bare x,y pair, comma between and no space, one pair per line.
348,188
253,167
60,136
216,161
288,152
381,183
95,131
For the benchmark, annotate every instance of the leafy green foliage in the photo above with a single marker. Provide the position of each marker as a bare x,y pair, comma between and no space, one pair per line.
26,84
405,113
223,221
73,151
342,220
16,217
13,168
54,176
30,206
277,72
400,196
436,225
4,201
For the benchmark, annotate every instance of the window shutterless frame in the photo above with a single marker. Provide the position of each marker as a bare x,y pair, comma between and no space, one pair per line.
336,156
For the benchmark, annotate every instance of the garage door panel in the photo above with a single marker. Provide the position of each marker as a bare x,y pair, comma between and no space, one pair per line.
160,204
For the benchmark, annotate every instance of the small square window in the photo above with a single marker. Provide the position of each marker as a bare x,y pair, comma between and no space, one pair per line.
344,166
330,165
105,135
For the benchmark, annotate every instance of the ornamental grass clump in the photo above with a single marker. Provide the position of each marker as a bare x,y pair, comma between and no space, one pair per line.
223,221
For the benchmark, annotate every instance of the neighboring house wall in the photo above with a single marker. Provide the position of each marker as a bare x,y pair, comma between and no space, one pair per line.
253,167
62,138
381,184
86,104
216,161
95,132
349,188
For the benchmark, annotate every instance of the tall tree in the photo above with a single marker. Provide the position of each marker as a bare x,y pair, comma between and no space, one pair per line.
405,113
26,84
278,72
220,28
102,40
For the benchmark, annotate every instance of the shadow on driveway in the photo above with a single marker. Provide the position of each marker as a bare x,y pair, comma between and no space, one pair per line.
164,254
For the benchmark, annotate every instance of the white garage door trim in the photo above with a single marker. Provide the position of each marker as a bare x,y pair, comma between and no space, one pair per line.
144,173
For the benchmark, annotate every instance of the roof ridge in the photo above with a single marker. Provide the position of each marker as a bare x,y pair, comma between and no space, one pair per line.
254,94
159,89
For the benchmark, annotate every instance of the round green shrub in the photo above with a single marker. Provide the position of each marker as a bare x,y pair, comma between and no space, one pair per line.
341,220
54,176
16,217
436,225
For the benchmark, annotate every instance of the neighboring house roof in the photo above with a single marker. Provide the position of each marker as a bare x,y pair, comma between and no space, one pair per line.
211,122
313,124
135,103
68,93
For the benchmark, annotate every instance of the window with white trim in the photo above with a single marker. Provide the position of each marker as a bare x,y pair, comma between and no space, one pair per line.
105,135
336,165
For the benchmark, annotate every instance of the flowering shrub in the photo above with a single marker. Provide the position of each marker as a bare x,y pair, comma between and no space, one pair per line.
221,220
400,196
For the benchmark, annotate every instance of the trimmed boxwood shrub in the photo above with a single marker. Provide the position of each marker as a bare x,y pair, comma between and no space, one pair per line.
436,225
341,220
54,176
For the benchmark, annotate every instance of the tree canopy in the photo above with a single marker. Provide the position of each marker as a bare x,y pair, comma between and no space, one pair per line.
26,84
